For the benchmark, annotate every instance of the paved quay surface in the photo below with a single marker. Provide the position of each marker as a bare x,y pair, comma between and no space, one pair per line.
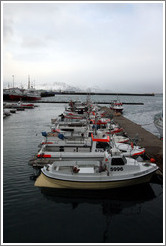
152,144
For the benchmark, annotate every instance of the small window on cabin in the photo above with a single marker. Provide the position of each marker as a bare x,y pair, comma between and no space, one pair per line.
117,162
61,149
103,126
103,145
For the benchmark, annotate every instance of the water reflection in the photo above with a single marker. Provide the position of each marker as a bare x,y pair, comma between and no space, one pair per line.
113,201
124,202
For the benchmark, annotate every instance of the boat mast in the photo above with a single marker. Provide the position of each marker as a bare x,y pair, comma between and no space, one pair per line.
13,80
28,81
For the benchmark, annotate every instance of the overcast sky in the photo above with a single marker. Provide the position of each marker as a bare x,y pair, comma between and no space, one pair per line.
109,46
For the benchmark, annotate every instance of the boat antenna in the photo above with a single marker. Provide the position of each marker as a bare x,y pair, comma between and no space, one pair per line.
113,142
13,80
28,81
96,120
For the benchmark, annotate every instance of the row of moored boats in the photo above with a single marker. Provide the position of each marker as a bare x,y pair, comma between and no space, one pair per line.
86,149
9,108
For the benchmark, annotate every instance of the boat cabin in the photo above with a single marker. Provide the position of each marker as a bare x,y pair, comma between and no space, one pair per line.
118,161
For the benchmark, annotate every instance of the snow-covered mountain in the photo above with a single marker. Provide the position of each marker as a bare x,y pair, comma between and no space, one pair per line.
63,86
58,86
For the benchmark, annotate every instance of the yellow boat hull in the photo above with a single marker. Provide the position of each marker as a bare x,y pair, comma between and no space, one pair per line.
44,181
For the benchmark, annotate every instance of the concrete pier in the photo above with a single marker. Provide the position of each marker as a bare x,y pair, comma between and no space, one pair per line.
127,103
104,93
152,144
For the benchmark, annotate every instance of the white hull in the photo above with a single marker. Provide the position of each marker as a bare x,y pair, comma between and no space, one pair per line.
44,181
95,174
118,109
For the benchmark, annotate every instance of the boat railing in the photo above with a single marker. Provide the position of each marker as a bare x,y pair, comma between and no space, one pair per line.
75,141
68,163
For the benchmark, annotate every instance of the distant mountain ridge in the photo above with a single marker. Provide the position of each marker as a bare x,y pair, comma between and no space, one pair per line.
62,86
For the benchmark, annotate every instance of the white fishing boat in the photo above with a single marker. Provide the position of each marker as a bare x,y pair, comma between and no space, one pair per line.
117,106
77,106
16,94
85,148
70,121
113,128
130,149
63,139
114,171
70,134
100,121
6,112
158,122
119,139
74,115
84,125
20,104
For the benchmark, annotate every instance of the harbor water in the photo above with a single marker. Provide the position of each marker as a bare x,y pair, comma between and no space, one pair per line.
35,215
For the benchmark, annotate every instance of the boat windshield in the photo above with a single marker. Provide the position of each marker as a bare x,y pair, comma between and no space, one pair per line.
103,145
118,161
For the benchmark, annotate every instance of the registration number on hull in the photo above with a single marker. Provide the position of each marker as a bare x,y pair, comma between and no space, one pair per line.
116,169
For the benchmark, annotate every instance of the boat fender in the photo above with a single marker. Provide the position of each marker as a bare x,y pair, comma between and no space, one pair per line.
44,134
75,169
132,145
102,168
152,160
61,136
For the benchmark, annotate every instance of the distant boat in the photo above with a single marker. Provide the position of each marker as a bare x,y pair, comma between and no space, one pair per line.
6,93
22,105
16,94
158,122
47,93
117,106
6,112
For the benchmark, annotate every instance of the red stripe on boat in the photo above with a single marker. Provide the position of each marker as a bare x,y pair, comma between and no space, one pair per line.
47,143
44,156
139,153
100,139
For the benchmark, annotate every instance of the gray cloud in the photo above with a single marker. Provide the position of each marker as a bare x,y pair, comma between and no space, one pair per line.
7,29
110,45
33,42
